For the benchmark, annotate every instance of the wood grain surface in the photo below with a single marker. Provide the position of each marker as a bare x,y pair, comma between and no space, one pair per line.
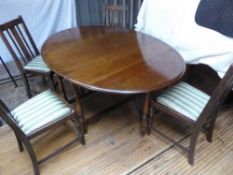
113,60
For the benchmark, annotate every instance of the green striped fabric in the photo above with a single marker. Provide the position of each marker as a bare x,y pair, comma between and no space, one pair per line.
43,109
37,64
184,99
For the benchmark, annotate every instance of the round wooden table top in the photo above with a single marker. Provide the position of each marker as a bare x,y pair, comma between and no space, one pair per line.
113,60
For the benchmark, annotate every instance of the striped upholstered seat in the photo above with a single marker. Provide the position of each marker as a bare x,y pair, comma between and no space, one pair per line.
43,109
37,64
184,99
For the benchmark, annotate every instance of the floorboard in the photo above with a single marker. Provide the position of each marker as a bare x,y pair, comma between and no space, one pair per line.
211,159
114,145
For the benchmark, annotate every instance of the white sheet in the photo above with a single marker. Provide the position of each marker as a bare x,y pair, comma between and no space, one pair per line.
42,17
173,22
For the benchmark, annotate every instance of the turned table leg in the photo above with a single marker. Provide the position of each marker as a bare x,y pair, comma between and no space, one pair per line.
146,113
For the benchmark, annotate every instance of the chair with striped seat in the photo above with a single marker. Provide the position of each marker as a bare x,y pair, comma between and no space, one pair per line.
115,14
23,50
36,116
193,107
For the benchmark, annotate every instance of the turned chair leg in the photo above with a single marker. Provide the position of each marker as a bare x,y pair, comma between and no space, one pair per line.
27,86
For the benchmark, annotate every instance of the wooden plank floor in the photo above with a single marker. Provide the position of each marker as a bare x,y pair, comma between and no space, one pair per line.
211,159
114,146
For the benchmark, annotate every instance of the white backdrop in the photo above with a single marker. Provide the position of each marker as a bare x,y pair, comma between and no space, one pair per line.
173,22
42,17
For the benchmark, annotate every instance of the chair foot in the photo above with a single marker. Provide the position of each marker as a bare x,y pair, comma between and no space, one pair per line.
36,169
191,160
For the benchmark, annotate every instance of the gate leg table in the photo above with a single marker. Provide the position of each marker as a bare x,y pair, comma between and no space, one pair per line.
117,61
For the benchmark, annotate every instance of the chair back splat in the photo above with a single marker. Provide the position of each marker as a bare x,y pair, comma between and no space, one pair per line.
115,14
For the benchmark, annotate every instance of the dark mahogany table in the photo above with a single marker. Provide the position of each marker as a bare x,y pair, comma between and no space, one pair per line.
117,61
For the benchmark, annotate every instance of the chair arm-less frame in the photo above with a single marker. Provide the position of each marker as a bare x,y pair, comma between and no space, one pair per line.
38,115
193,107
19,42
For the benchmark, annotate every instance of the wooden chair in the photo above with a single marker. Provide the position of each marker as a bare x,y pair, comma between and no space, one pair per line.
193,107
22,48
38,115
115,14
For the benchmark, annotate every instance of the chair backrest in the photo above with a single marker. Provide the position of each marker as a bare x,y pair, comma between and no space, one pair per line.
18,40
115,14
5,114
218,96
